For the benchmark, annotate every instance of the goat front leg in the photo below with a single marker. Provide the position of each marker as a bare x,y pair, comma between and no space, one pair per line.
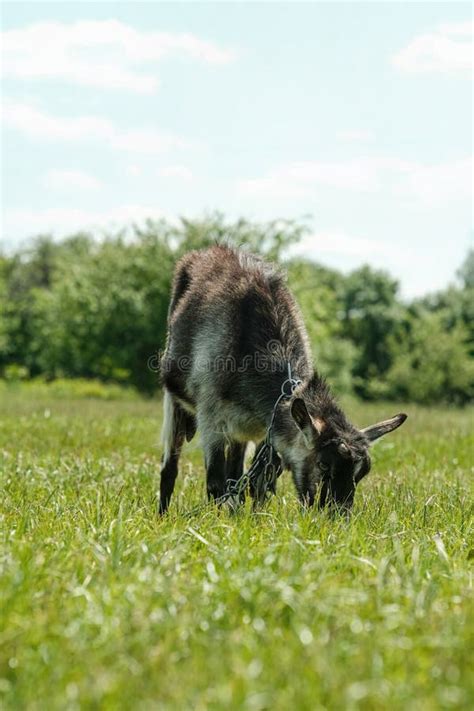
214,456
235,460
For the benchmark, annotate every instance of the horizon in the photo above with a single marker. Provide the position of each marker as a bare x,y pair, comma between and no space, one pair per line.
287,256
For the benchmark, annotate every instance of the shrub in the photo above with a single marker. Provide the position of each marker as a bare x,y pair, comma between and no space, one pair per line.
431,364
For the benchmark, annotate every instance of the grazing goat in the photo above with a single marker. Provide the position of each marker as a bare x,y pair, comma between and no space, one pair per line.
234,328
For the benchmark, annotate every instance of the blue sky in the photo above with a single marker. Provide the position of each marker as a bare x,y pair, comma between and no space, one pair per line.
358,114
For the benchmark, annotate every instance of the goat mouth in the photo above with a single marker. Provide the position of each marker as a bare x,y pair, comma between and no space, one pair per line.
331,504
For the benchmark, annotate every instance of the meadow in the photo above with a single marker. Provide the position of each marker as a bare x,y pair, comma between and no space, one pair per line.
105,605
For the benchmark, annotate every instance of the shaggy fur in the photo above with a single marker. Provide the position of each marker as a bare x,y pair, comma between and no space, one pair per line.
233,327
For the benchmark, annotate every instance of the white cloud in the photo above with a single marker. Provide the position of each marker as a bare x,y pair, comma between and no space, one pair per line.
430,184
38,124
445,182
19,223
465,29
176,171
344,251
107,54
447,49
274,185
134,170
356,136
300,179
66,179
339,243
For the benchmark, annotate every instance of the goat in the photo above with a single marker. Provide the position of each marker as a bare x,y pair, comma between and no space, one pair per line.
233,329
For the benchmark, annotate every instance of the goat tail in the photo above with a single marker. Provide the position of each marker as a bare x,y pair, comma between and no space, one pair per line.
168,428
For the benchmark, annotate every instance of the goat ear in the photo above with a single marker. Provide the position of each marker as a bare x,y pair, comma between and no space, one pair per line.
300,413
381,428
303,419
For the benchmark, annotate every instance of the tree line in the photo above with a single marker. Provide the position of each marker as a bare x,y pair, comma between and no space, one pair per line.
96,308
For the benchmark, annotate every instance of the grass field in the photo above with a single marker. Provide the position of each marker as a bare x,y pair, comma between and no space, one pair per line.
105,605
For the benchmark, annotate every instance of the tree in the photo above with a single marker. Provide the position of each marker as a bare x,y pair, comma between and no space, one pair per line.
431,365
456,303
371,313
318,291
105,314
466,271
90,307
4,320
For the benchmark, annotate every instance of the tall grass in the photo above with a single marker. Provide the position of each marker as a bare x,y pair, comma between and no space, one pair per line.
105,605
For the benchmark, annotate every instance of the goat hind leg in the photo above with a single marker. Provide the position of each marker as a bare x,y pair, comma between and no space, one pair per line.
173,434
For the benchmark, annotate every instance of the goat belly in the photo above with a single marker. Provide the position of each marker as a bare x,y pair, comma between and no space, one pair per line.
242,427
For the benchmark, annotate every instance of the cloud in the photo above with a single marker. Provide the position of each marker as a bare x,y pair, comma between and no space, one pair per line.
19,223
300,179
445,182
66,179
38,124
134,170
339,243
463,29
106,54
447,49
176,171
274,185
355,136
345,251
429,184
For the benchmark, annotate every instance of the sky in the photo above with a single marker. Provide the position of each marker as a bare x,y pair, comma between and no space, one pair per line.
358,115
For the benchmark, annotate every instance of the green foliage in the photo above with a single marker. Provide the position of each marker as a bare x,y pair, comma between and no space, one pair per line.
62,388
456,303
103,605
270,238
105,314
466,271
432,364
371,315
4,320
97,308
14,373
318,291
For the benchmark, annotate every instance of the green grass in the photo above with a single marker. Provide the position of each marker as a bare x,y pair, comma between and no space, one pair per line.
105,605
